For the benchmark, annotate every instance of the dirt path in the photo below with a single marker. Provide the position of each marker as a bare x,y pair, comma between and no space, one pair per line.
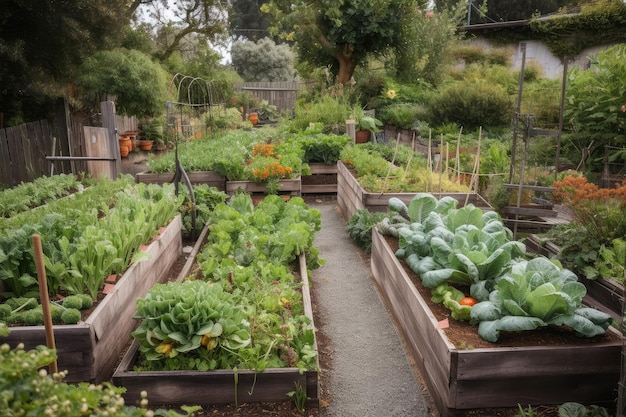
368,373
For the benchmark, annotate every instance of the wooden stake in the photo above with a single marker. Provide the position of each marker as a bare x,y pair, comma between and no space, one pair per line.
393,160
43,295
457,163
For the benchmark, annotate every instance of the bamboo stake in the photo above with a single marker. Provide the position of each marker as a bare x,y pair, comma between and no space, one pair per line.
474,180
43,295
408,163
393,160
457,163
429,160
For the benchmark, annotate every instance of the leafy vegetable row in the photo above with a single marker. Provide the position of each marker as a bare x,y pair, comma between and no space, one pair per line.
452,248
84,239
246,310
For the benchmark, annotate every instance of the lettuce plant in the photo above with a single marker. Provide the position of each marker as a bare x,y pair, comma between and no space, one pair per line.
537,293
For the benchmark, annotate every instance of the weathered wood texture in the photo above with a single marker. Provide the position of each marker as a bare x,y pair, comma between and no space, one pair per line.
89,351
291,186
498,377
352,197
218,387
211,178
282,94
23,148
323,179
23,151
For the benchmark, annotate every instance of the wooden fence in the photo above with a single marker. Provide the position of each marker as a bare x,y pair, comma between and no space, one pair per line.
24,148
282,94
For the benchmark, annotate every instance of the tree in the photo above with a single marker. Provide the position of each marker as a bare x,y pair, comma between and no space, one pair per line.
139,84
342,35
176,21
42,44
262,60
247,21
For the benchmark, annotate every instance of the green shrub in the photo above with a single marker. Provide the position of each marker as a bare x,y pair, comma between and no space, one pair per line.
402,115
5,311
471,54
472,105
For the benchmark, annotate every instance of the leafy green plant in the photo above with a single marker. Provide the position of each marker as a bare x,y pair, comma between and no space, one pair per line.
401,115
360,227
572,409
299,397
180,318
462,246
537,293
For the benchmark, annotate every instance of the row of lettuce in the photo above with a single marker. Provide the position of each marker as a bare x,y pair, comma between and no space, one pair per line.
86,236
243,309
460,251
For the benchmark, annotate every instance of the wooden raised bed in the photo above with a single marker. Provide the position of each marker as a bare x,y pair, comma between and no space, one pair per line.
290,186
492,377
90,350
211,178
352,197
323,179
218,387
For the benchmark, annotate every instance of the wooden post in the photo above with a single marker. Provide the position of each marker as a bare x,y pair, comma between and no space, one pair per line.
351,129
108,121
43,295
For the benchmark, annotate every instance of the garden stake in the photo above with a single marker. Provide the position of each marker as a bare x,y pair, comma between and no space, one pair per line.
395,152
474,180
43,295
408,163
457,163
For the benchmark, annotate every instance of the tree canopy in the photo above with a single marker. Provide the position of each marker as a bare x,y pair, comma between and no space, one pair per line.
42,44
341,35
262,60
247,21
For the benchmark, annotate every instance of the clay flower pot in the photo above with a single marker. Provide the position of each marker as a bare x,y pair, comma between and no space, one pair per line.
254,118
124,150
145,145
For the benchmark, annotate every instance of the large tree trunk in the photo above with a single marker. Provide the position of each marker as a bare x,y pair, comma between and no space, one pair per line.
346,64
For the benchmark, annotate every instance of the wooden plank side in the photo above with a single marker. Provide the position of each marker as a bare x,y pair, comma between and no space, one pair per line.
429,346
319,168
597,389
539,361
15,141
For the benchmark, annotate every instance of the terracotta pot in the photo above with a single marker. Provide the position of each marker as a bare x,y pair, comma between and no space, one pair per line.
145,145
125,141
362,136
254,118
124,150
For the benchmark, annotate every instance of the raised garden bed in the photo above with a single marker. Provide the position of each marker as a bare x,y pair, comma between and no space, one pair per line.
90,350
211,178
218,386
323,179
289,186
352,197
463,379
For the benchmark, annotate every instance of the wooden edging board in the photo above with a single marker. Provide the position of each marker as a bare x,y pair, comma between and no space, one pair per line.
320,169
90,350
211,178
352,197
491,377
218,386
287,186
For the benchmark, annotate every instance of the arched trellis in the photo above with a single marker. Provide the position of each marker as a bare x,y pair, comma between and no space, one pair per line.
194,100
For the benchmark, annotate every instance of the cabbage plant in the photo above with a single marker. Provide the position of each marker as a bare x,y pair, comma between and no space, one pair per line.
463,246
537,293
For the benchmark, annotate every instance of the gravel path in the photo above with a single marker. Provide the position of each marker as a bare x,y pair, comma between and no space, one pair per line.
369,374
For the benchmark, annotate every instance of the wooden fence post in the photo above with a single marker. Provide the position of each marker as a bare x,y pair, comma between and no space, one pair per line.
108,121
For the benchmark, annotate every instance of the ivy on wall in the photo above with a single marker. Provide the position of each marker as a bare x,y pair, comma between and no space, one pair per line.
568,35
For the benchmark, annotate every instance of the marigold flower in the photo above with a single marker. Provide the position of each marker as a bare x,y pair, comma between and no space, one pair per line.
391,94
